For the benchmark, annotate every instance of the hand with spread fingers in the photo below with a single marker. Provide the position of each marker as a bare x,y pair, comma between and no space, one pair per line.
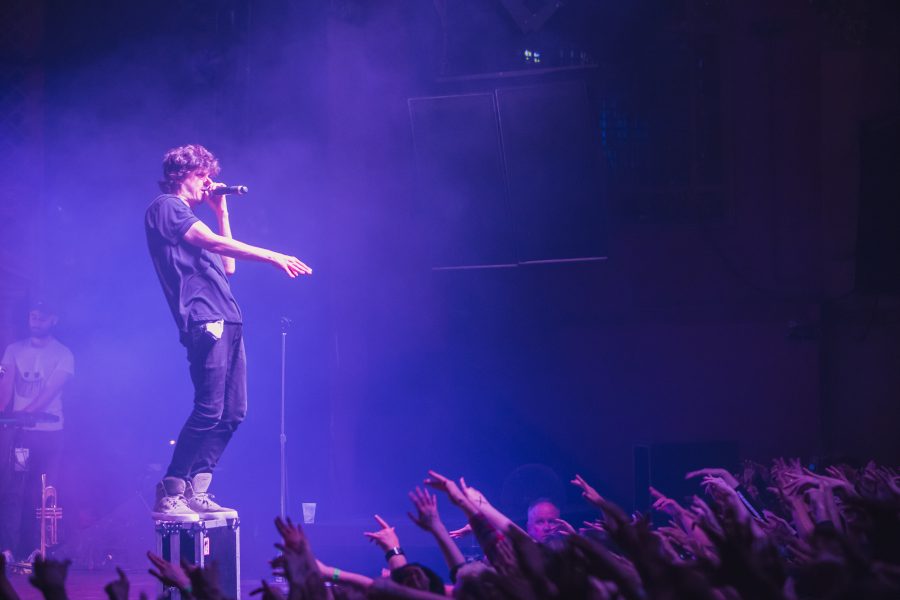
292,535
168,574
426,517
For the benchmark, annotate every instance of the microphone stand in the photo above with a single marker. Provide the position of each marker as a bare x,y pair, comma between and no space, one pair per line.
285,325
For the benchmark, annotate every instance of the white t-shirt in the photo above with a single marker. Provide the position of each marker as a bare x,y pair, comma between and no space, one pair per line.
32,365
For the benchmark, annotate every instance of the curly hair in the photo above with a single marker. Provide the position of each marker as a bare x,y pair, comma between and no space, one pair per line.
180,162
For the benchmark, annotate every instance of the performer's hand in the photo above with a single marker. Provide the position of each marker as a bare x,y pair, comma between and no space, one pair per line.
218,203
291,265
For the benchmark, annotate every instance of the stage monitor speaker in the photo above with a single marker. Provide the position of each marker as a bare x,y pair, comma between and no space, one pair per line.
551,149
460,180
664,466
878,242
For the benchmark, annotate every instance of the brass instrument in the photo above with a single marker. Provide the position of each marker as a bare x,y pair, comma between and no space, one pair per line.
49,515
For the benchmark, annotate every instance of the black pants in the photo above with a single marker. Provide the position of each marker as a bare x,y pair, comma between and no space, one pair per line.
219,373
20,491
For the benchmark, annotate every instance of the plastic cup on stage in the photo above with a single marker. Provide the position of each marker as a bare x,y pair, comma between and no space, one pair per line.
309,513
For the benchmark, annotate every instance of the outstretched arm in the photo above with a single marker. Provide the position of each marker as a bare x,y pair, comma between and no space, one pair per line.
428,519
341,576
500,521
203,237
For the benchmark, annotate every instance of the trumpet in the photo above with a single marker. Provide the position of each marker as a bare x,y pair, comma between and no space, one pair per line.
49,515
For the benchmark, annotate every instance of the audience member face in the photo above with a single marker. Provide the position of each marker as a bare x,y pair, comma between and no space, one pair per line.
542,521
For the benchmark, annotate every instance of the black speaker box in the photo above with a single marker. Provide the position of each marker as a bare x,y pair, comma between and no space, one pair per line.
878,240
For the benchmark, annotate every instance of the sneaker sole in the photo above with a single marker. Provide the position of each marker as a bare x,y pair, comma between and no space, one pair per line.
191,518
223,514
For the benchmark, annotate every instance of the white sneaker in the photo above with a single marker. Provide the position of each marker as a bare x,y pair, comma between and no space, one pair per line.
171,505
201,501
175,509
203,504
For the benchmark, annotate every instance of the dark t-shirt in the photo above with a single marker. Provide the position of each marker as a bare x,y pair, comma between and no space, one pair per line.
193,279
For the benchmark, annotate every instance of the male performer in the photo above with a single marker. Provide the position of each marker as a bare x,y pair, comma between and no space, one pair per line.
34,372
191,262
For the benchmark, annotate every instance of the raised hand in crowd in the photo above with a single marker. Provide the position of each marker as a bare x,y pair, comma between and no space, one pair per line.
205,581
459,499
298,563
491,513
596,526
342,576
491,538
387,540
7,592
171,576
117,589
50,577
587,492
291,534
428,519
723,474
462,532
563,527
723,492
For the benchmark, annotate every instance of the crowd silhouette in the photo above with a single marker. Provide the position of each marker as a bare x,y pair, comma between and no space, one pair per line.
778,532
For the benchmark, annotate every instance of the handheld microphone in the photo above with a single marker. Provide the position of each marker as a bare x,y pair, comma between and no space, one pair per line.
238,190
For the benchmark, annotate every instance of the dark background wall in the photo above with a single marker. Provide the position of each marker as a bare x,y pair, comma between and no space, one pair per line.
728,161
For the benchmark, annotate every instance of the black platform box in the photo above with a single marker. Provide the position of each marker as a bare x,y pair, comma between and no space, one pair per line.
203,543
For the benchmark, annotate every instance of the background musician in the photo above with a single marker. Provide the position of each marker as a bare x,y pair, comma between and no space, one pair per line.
35,373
